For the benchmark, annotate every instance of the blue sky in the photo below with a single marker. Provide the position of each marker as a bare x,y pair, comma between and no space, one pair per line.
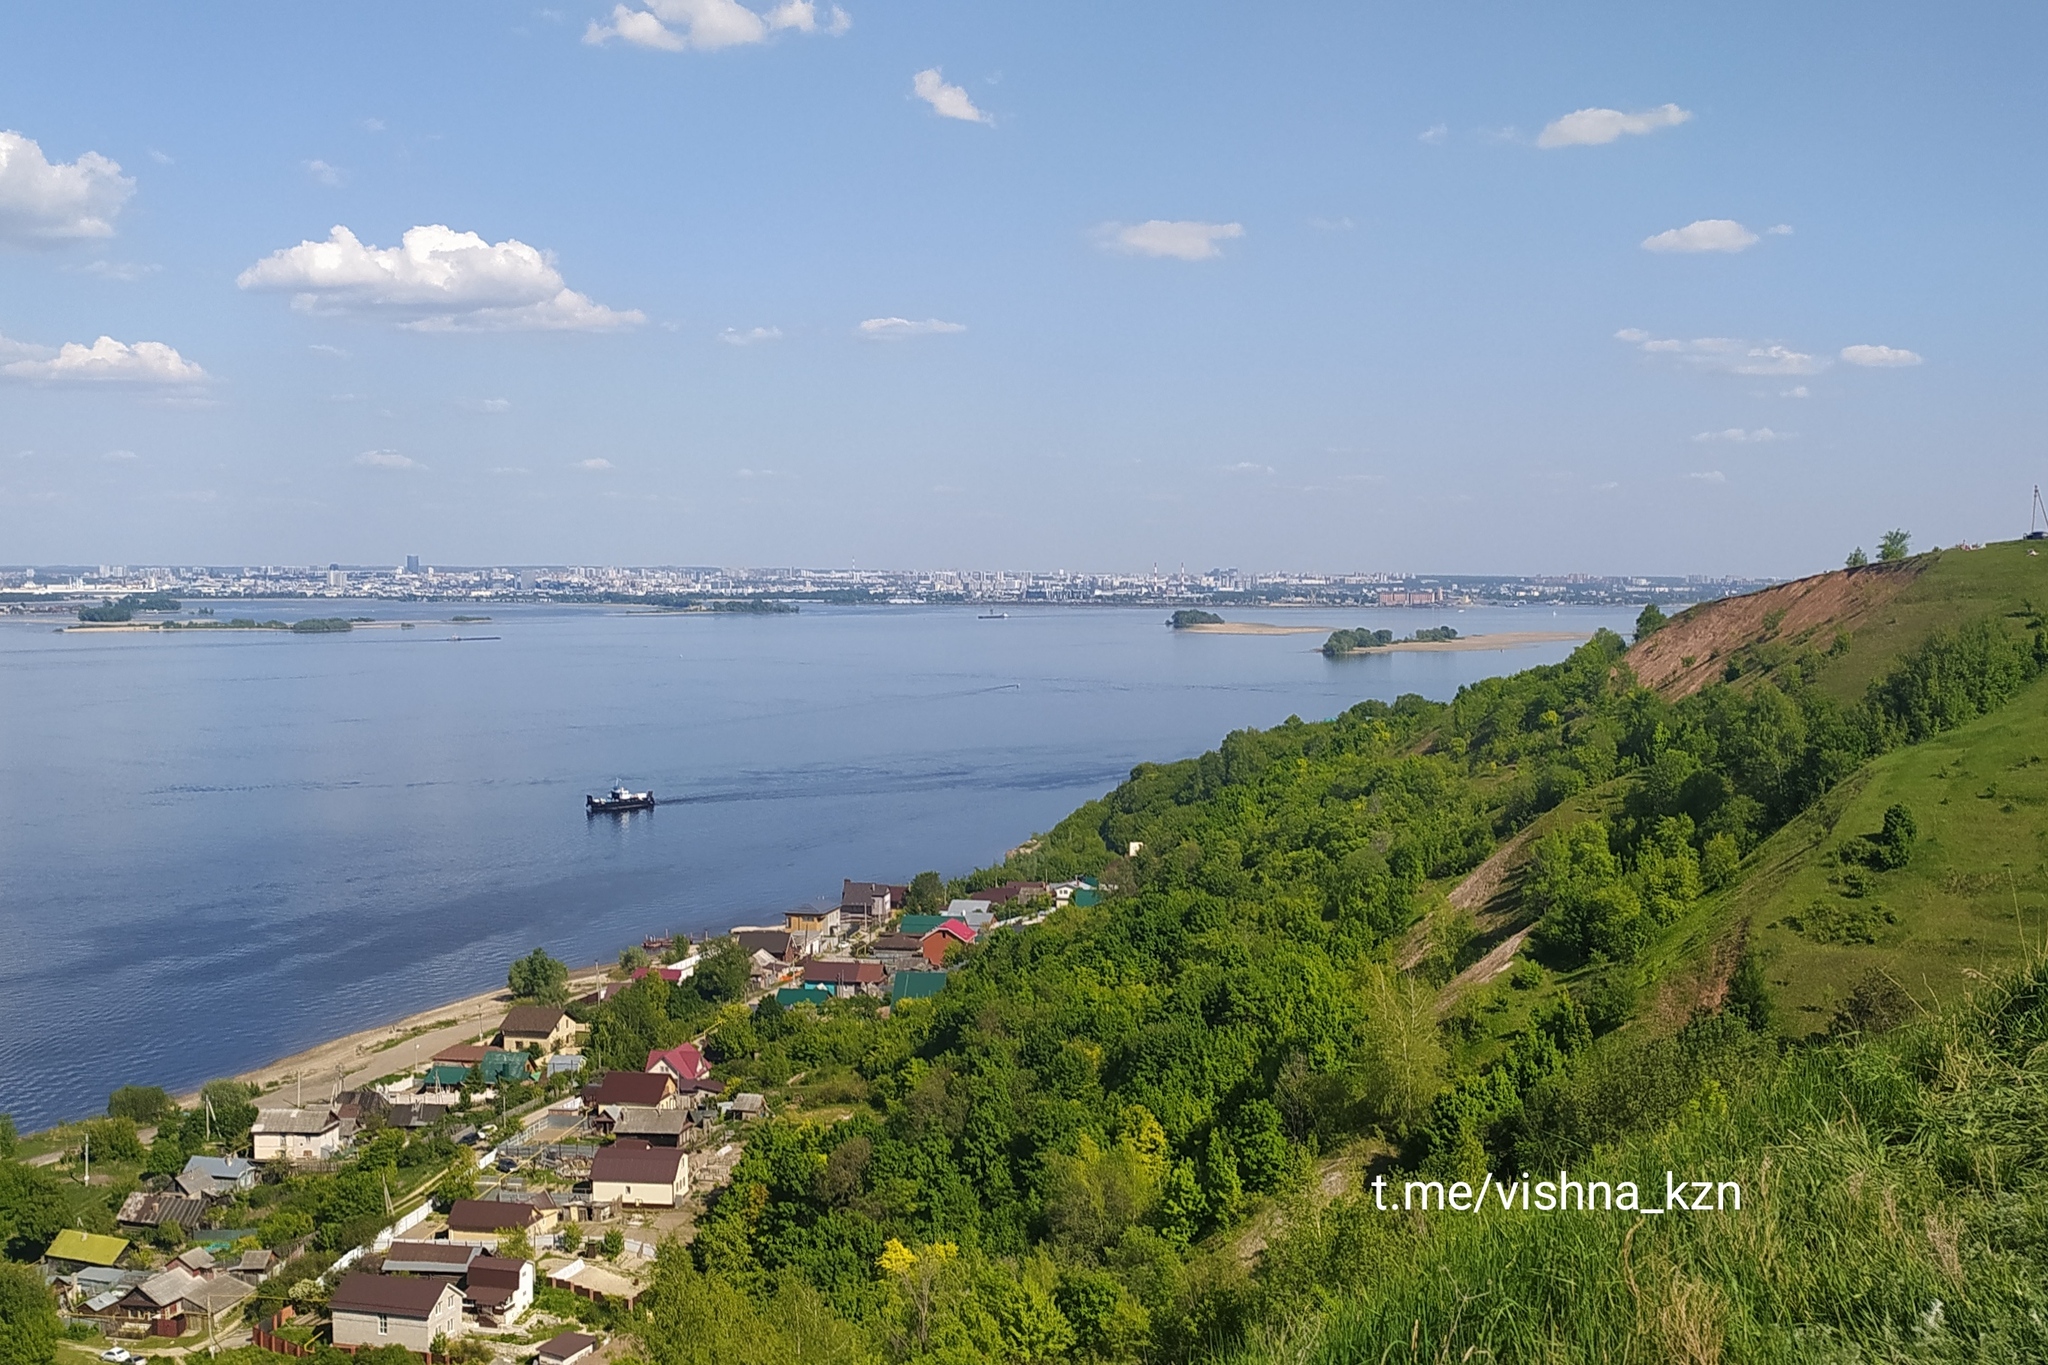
1600,288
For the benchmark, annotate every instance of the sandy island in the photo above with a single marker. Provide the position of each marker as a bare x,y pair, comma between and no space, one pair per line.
1507,639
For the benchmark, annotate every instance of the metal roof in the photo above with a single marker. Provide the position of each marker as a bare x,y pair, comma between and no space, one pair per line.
90,1247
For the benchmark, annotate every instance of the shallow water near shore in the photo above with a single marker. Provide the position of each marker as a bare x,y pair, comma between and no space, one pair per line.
219,848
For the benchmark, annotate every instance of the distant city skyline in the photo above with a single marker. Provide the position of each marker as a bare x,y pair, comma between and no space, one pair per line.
1728,291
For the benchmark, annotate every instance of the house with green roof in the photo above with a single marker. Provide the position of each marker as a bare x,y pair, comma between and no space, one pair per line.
86,1248
920,925
803,995
909,985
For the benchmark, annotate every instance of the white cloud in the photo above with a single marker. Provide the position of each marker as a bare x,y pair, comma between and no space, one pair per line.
732,336
436,280
1707,234
322,348
891,329
324,173
44,202
947,101
1248,467
1761,435
1332,224
120,455
1183,240
708,25
486,404
1796,391
1779,230
595,465
107,360
1708,476
387,459
1726,355
1597,127
1880,357
1435,133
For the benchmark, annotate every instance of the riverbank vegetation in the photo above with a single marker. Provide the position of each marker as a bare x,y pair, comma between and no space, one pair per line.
1193,616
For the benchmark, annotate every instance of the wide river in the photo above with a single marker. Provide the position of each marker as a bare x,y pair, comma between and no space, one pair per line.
219,849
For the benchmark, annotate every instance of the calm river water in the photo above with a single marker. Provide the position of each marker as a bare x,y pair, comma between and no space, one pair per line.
217,850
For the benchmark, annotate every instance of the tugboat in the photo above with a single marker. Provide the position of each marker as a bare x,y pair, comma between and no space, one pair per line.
617,800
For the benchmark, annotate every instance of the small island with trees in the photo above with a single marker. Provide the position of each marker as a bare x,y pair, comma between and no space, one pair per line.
1342,642
1192,616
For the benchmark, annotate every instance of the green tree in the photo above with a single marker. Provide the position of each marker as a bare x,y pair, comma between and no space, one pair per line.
1649,621
633,959
28,1318
167,1153
1894,546
612,1245
459,1182
723,972
514,1242
1719,861
143,1104
8,1137
927,894
539,979
33,1208
1857,559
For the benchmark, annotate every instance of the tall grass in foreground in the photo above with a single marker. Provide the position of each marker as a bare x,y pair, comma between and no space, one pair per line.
1894,1209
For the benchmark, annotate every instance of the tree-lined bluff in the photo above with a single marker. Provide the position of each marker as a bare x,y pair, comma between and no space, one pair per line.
1144,1129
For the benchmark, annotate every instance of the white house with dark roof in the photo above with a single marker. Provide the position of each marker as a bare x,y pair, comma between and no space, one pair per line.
394,1310
296,1134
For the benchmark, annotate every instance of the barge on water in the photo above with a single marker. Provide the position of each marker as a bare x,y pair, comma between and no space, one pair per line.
616,800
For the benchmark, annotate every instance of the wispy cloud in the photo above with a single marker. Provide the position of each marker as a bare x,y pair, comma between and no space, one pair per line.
1173,239
1880,357
1760,436
324,174
1332,224
1434,134
43,203
1725,355
753,336
435,280
708,25
947,101
388,459
1708,476
1707,234
123,272
486,404
1598,127
594,465
892,329
322,348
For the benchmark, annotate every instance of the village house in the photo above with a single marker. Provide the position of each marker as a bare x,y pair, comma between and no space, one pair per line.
685,1062
745,1105
566,1349
451,1259
871,902
846,976
809,926
779,944
482,1220
935,944
639,1175
177,1300
896,950
71,1250
499,1289
536,1026
619,1091
296,1134
394,1310
656,1127
216,1177
145,1210
912,985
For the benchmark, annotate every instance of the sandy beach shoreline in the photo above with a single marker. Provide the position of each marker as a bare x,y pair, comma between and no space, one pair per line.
1506,639
356,1059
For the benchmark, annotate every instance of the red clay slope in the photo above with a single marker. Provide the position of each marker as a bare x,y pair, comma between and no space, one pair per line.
1684,656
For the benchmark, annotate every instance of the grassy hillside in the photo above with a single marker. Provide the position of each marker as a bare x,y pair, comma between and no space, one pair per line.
1973,899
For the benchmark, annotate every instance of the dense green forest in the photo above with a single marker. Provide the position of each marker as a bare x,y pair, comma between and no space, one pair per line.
1145,1130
